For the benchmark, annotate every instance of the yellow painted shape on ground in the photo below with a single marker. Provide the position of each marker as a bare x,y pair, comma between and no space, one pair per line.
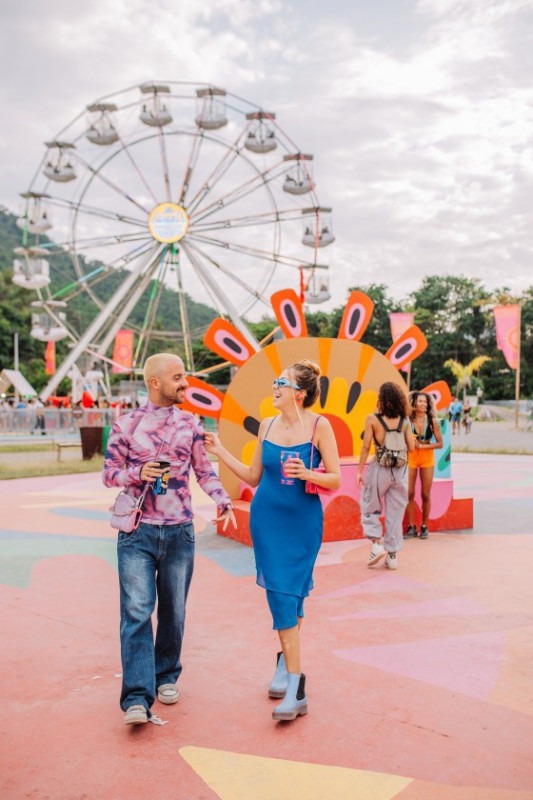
234,776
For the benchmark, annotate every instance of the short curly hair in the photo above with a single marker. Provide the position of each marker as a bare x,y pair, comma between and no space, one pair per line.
392,401
307,375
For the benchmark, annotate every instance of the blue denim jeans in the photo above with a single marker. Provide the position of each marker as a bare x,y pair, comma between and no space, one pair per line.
154,562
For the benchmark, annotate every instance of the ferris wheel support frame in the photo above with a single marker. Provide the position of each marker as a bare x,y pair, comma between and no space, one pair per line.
97,325
126,310
220,295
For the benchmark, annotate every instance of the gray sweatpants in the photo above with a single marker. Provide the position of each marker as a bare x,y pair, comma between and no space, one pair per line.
384,487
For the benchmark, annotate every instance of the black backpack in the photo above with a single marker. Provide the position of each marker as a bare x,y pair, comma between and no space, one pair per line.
393,452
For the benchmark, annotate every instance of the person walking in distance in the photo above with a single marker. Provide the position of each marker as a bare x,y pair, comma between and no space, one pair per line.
455,410
155,561
428,438
286,522
385,479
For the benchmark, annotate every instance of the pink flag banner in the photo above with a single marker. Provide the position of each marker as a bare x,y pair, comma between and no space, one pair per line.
399,322
507,319
123,351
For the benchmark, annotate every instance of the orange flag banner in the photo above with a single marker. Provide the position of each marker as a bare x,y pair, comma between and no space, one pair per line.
50,358
123,351
507,319
399,322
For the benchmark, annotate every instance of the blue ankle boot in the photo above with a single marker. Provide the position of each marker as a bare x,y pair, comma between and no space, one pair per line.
295,701
278,685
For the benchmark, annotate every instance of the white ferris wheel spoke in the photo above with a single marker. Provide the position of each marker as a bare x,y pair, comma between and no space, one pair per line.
256,182
231,274
218,292
230,155
126,149
194,155
253,251
164,163
265,218
94,211
97,173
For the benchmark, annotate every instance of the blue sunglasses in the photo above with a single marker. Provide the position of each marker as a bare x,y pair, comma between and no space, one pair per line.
280,383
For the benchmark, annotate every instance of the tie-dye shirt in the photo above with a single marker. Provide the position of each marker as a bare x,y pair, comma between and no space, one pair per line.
136,438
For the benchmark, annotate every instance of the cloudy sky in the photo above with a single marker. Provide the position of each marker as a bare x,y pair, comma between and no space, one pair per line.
419,112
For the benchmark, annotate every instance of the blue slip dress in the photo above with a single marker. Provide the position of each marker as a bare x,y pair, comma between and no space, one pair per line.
285,524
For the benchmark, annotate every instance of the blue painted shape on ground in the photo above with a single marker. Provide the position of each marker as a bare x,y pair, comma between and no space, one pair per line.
22,550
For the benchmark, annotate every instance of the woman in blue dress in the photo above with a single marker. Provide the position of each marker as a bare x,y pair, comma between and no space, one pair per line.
286,522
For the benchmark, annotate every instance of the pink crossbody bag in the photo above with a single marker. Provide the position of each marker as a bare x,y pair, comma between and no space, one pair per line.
310,487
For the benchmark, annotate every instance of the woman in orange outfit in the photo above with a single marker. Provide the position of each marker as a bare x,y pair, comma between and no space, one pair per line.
428,438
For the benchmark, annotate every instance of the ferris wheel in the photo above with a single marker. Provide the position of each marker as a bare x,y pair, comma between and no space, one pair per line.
167,185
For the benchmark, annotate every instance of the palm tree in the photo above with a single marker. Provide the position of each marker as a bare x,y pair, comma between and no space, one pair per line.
463,372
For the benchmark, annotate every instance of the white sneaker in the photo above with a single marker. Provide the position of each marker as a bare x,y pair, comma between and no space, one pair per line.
136,715
376,554
391,562
168,694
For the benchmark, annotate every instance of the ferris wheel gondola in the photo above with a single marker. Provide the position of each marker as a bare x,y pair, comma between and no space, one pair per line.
167,184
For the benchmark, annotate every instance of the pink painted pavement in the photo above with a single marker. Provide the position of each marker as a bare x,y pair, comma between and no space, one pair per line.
419,681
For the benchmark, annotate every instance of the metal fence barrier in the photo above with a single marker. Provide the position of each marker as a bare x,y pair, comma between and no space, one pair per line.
44,421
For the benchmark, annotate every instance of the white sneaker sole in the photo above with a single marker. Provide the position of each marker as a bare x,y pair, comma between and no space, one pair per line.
372,561
137,719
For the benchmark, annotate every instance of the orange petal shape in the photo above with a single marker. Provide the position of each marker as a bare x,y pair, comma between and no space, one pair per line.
224,339
357,314
289,313
409,346
201,398
441,392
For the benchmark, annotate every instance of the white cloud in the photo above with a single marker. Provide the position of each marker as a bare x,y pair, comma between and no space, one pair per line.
421,135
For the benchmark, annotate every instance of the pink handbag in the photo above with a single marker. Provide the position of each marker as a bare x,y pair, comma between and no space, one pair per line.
126,511
310,487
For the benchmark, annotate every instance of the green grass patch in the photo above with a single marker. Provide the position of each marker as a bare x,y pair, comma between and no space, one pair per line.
492,451
40,468
31,447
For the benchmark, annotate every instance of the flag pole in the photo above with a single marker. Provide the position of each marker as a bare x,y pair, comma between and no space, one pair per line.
517,376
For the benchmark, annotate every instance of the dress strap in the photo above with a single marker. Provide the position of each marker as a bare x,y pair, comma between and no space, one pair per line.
269,426
314,428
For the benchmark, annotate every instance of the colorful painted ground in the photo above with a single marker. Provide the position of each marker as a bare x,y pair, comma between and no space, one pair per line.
419,681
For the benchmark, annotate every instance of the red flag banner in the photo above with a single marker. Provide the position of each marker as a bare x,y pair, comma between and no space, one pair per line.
399,322
50,358
507,319
123,351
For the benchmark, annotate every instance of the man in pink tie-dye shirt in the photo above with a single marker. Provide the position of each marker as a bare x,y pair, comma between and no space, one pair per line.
155,562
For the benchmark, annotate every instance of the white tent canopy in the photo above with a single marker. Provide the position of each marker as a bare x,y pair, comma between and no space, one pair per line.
13,377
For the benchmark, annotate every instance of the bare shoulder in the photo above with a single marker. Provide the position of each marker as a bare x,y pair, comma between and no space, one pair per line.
321,422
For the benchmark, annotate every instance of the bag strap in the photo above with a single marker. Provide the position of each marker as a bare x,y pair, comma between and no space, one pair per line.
398,428
142,496
313,441
382,422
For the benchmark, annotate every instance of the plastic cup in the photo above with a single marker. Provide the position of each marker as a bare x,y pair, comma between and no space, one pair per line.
287,455
160,485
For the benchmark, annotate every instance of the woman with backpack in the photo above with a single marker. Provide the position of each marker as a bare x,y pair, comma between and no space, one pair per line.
385,479
426,430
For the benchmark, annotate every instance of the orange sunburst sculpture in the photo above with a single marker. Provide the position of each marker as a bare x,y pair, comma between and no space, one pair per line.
352,373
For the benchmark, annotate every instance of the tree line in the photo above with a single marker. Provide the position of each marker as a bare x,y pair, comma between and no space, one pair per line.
454,312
